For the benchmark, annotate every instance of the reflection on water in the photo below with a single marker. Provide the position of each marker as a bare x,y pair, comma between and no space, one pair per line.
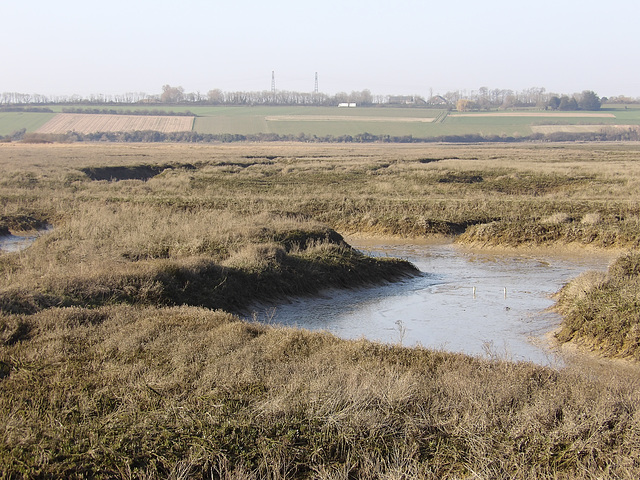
475,303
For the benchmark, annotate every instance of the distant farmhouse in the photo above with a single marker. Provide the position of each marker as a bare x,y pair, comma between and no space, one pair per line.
406,100
438,100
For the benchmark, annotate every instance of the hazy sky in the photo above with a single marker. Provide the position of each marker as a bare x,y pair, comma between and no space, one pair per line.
402,46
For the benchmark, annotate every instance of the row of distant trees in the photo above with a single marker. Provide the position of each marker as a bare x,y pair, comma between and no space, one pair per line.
587,100
481,99
177,95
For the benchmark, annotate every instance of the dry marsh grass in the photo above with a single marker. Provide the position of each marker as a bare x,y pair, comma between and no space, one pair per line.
152,255
601,311
146,392
111,367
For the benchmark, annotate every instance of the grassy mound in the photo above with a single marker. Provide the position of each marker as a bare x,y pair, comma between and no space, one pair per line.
602,311
199,281
592,229
110,256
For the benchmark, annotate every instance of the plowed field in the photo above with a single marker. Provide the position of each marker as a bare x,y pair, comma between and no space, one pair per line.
91,123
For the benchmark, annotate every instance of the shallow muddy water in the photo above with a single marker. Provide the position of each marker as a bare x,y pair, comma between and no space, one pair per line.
15,243
476,303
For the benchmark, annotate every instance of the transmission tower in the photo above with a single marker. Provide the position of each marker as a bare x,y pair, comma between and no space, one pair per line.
273,83
315,90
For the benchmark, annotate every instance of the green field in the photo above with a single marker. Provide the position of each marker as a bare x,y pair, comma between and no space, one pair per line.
13,121
335,121
319,121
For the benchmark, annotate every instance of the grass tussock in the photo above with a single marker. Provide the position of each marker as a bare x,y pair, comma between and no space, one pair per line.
151,392
602,311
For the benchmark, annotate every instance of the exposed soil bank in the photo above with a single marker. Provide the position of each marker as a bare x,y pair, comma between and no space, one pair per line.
22,223
133,172
557,248
581,358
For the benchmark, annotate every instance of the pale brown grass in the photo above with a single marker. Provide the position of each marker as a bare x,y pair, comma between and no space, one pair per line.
163,391
601,310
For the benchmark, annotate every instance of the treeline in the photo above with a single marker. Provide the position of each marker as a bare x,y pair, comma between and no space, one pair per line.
113,111
631,134
177,95
292,98
483,98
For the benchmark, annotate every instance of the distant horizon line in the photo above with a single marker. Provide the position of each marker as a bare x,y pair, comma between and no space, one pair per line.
139,96
315,91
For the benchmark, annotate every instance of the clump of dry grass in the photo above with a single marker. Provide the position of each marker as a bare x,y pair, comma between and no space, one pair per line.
556,229
557,218
602,311
591,219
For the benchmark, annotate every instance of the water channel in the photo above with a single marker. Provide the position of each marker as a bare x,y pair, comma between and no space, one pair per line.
464,301
16,243
473,302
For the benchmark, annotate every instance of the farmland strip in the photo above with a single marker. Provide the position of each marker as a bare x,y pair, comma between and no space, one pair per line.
536,114
340,118
91,123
